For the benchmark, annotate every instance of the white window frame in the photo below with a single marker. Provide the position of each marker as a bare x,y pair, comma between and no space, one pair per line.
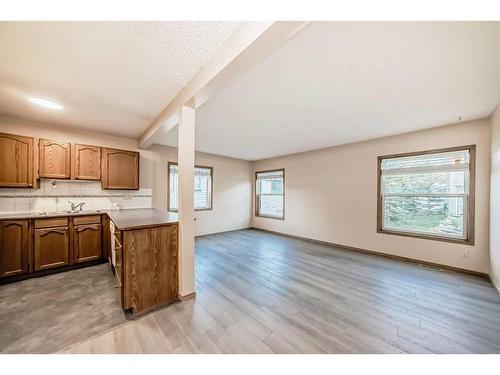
467,195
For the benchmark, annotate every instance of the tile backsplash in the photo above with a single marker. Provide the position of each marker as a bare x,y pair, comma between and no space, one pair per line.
54,195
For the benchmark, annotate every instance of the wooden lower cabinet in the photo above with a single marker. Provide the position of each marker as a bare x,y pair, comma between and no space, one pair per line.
106,238
150,267
31,247
51,248
14,247
87,242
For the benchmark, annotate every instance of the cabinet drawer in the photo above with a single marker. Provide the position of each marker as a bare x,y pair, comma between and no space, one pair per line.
51,222
93,219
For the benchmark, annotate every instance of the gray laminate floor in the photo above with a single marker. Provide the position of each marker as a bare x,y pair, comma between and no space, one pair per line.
49,313
263,293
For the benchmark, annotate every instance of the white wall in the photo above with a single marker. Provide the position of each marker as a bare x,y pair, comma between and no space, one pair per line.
232,177
331,195
232,193
495,199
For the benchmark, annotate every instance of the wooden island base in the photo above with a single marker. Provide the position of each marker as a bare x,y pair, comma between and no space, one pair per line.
146,258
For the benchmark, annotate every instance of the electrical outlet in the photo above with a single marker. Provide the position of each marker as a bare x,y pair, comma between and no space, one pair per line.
466,254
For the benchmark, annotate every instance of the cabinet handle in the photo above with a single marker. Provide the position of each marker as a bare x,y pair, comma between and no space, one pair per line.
80,228
117,243
43,232
51,143
118,284
118,260
8,224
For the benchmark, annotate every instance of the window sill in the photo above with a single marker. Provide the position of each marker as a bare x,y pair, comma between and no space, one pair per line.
271,217
423,236
196,209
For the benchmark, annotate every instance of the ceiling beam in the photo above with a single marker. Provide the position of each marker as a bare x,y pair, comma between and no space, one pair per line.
247,47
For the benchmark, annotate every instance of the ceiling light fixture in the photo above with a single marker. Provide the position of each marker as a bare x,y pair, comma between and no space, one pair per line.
46,103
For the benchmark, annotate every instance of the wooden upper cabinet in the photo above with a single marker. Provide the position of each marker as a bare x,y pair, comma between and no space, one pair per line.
86,162
14,247
120,169
117,169
16,161
54,159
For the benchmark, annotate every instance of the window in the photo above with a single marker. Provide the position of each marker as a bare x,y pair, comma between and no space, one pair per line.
428,194
202,188
270,194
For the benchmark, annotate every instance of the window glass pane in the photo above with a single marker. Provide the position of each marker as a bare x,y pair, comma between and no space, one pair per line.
202,185
271,186
202,188
174,192
440,182
426,193
271,205
270,192
435,215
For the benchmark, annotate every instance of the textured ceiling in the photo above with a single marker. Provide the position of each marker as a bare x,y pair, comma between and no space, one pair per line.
111,77
342,82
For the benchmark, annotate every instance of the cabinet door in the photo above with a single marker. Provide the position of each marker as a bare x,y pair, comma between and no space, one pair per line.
120,169
14,251
16,161
106,238
54,159
87,242
86,162
51,248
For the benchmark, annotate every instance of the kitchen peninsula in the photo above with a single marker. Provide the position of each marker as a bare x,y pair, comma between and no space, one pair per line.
144,249
142,245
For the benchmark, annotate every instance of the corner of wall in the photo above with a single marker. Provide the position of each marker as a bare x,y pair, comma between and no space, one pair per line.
495,199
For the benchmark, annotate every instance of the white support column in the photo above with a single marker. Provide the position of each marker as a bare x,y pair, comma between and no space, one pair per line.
185,156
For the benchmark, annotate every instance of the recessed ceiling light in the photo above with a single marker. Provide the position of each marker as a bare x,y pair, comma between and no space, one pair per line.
46,103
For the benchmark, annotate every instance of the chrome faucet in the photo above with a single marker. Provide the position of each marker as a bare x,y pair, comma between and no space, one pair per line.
74,207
